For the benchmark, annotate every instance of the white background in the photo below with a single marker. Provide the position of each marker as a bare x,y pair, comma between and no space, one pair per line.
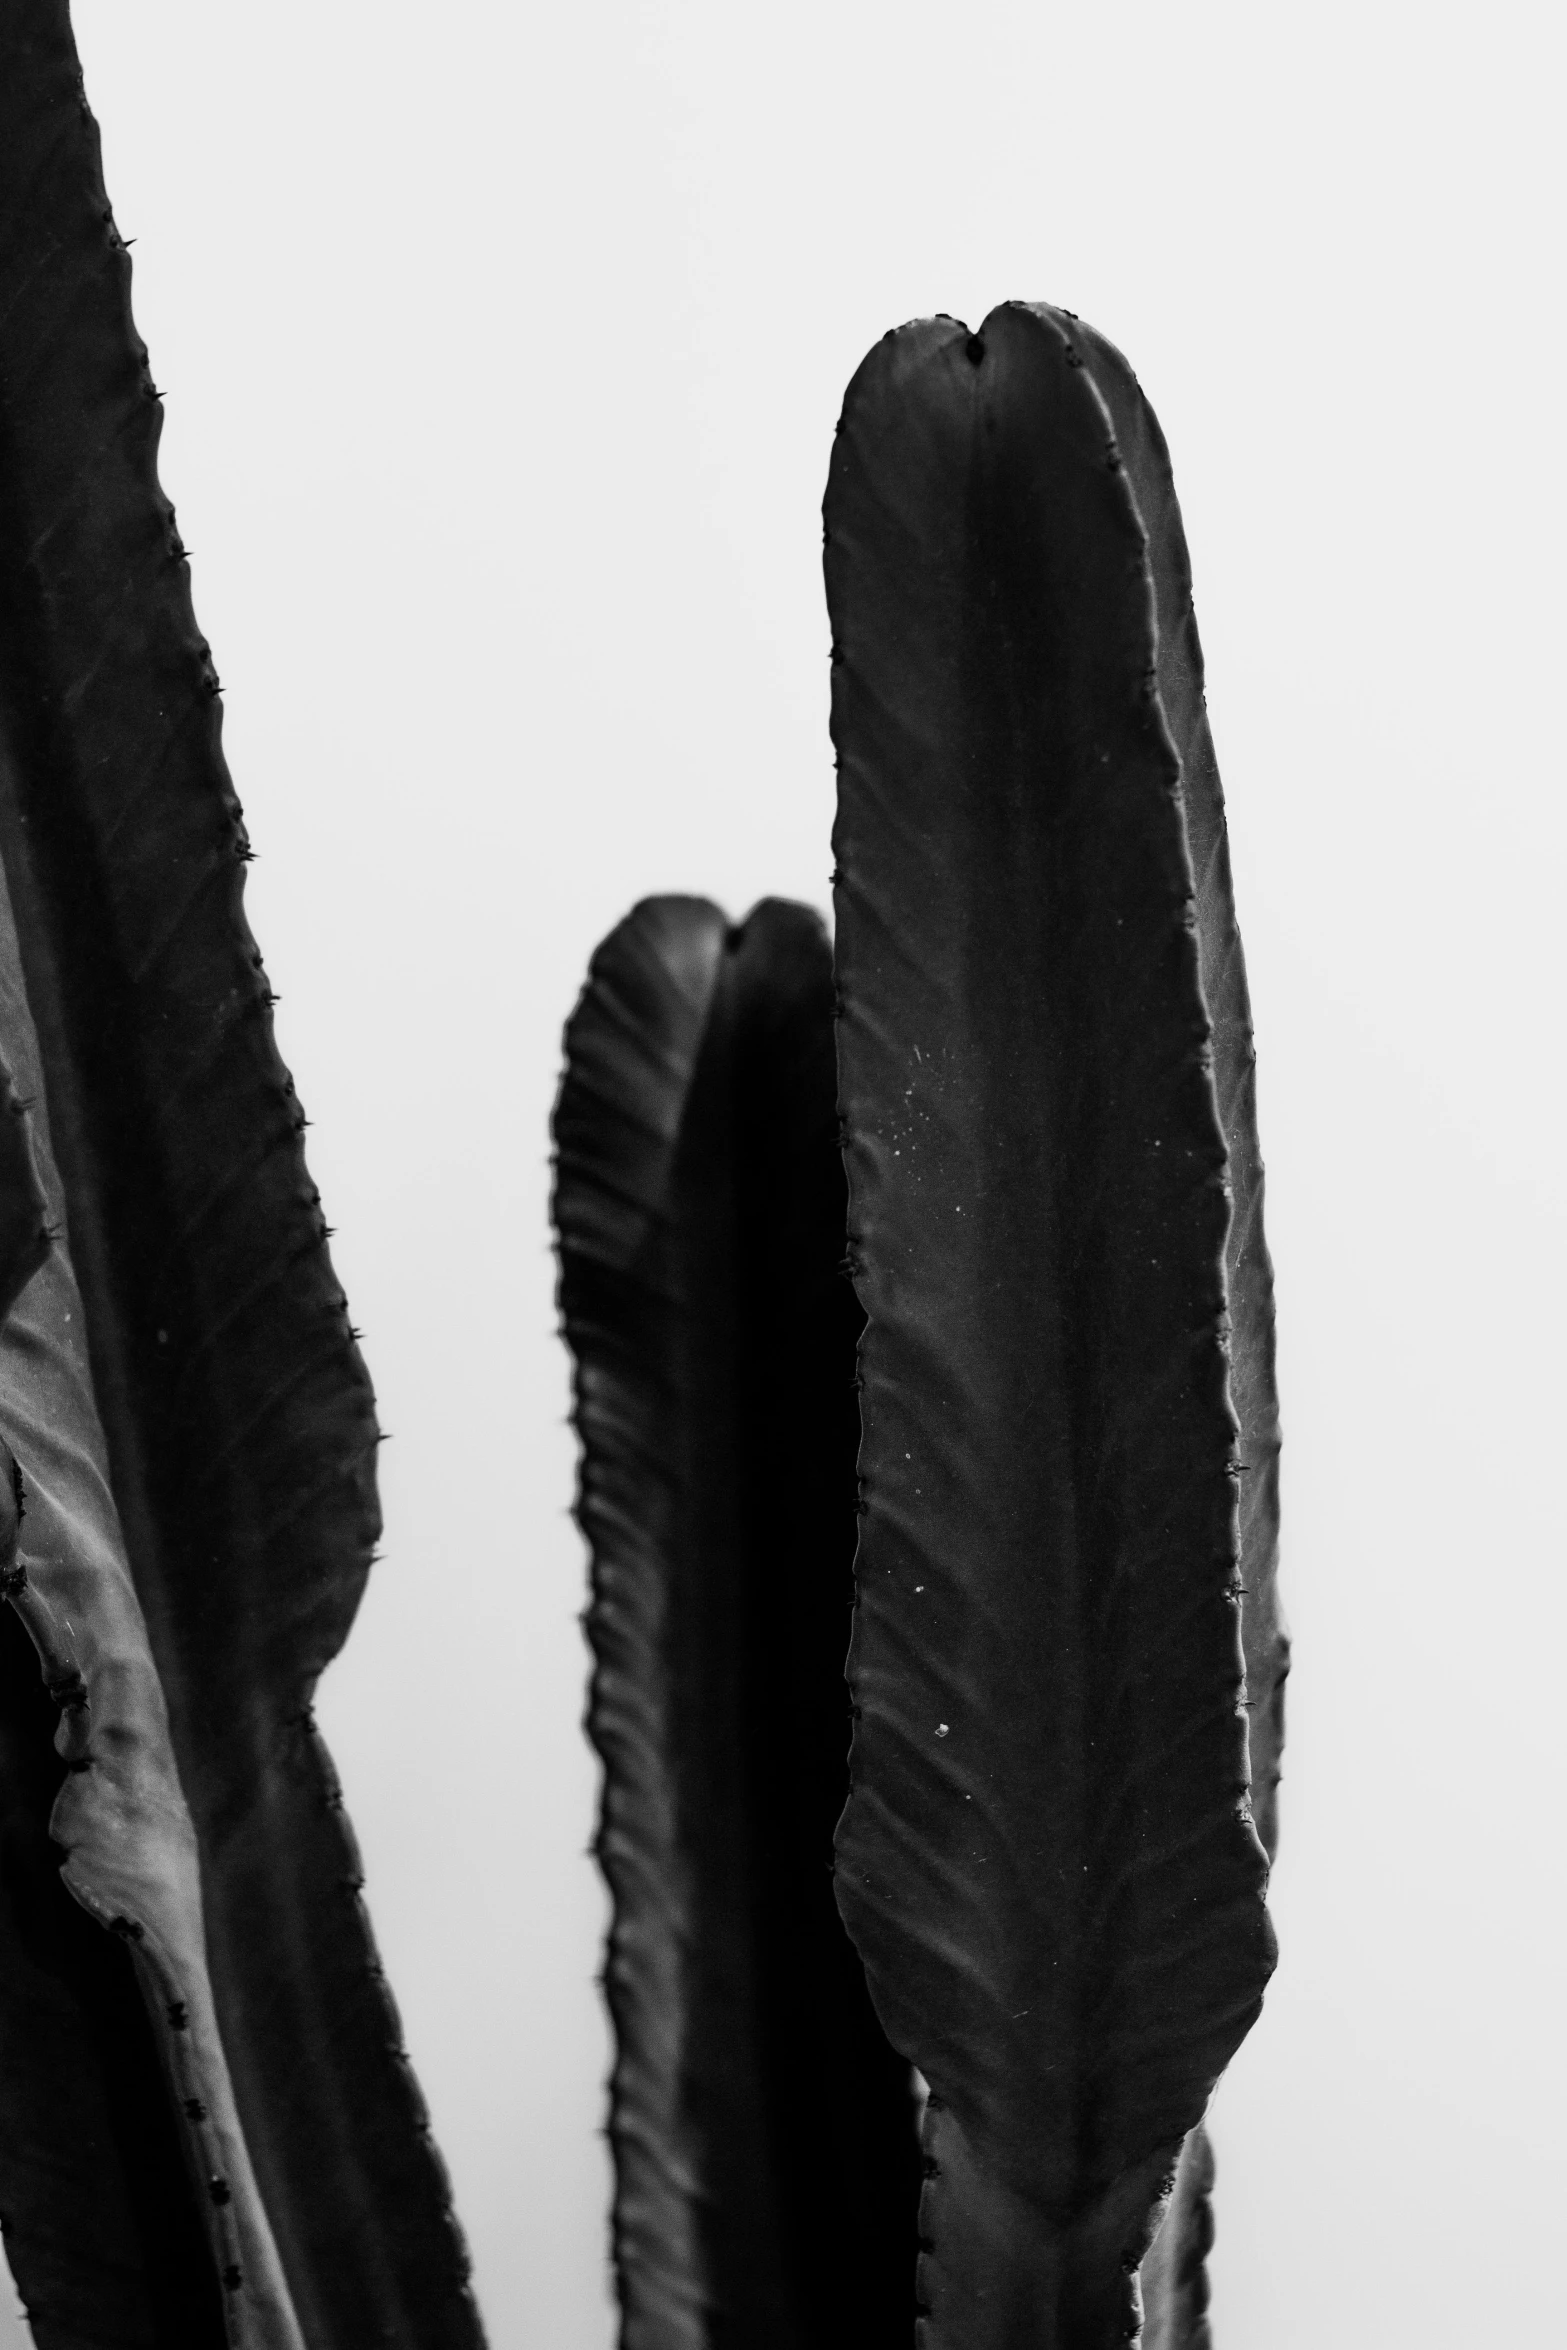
502,347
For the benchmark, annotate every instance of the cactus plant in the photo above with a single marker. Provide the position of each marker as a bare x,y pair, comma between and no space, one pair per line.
762,2128
947,2056
1067,1659
191,1420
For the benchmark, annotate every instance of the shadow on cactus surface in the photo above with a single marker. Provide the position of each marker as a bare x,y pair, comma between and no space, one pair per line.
923,1336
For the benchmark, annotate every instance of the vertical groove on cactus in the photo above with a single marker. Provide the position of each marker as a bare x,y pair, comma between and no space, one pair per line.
236,1411
762,2127
1047,1860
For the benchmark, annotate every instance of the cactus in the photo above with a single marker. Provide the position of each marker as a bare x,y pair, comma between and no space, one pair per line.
1067,1659
947,2055
762,2128
210,2122
1047,1858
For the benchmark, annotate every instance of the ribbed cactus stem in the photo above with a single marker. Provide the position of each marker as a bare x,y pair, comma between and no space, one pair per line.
761,2124
1048,1859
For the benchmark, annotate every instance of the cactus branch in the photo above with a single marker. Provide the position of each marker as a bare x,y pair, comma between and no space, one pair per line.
1047,1859
762,2126
238,1511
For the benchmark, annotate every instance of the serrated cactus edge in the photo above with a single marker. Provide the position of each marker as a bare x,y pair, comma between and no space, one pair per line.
194,1427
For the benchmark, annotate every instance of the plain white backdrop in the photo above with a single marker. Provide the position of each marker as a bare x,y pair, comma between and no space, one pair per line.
502,346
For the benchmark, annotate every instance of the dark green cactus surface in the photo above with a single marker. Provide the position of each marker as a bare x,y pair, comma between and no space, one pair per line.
763,2130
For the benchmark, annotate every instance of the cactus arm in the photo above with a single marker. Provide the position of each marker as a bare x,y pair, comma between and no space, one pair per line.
762,2128
1046,1858
236,1414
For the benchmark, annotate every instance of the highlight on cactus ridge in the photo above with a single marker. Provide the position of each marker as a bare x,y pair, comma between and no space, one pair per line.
1065,1674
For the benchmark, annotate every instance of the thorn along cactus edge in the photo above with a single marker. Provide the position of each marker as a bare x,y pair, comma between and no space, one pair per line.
922,1971
1014,1101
